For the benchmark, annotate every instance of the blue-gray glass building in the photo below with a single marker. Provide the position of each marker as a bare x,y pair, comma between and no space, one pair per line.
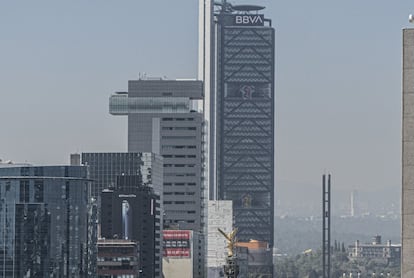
244,117
43,221
105,167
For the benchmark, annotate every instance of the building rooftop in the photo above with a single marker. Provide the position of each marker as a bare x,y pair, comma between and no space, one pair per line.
253,244
10,163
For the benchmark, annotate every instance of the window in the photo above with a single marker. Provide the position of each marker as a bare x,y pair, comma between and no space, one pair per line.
24,191
38,191
179,137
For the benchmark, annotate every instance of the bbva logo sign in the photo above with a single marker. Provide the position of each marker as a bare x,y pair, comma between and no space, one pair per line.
249,20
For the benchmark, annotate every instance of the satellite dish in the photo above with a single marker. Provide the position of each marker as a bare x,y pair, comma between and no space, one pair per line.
411,18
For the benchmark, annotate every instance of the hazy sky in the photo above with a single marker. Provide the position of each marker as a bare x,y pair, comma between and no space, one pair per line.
338,79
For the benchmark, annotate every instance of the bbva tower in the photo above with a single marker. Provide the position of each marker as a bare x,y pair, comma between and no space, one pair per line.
236,63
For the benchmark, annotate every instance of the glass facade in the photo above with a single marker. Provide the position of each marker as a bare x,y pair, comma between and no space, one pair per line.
121,104
245,122
43,222
105,167
141,223
105,170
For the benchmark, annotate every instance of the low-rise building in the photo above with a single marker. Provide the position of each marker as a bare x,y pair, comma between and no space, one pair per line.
375,250
255,259
118,258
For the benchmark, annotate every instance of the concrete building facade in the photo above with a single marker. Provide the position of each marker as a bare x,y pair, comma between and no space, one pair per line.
377,250
220,215
407,214
206,73
161,120
178,254
118,258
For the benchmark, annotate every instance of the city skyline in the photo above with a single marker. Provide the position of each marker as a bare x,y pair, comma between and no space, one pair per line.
338,81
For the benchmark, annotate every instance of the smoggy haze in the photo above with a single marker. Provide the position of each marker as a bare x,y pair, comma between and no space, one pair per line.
338,80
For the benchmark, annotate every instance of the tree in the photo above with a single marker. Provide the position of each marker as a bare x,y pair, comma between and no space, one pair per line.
307,265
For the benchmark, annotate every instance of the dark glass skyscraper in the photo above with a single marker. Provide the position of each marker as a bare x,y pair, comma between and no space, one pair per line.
244,118
132,212
43,221
146,172
105,167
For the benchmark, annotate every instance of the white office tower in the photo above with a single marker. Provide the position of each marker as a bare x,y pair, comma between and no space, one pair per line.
407,257
206,74
161,120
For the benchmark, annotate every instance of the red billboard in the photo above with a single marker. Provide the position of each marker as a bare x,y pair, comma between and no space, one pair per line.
176,234
177,252
177,243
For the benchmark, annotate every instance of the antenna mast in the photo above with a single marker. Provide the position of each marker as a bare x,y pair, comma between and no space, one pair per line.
326,226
